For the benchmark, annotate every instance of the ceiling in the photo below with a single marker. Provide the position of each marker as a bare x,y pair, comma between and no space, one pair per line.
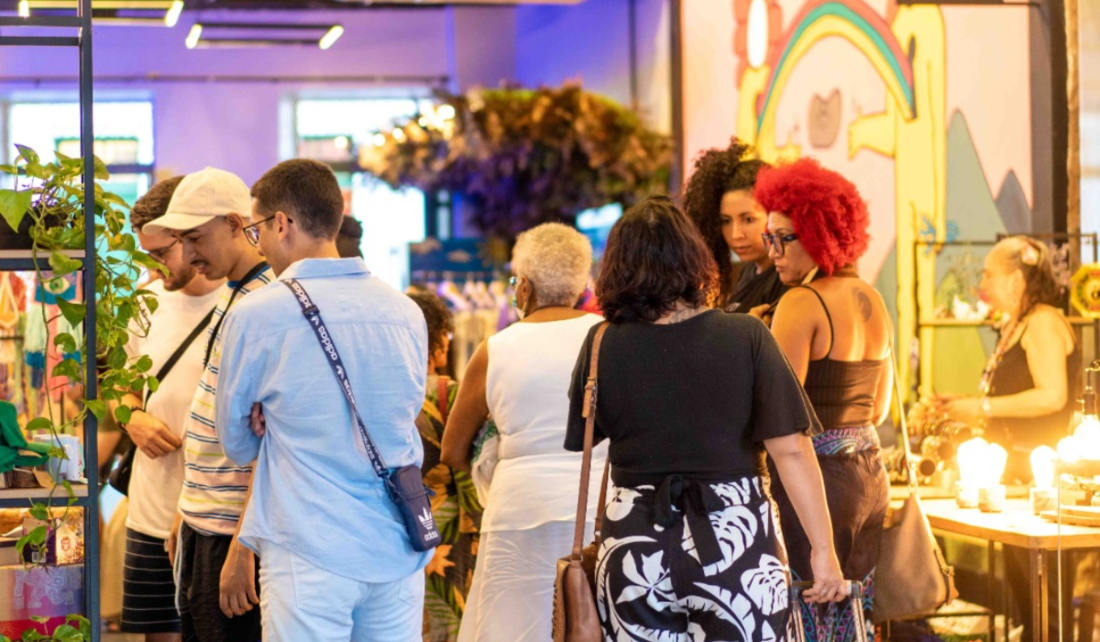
293,5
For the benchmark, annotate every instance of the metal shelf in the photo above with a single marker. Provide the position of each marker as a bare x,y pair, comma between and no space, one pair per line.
23,261
23,497
39,41
87,495
42,21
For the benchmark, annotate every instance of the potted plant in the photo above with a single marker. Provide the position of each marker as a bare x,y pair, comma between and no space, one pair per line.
520,157
47,201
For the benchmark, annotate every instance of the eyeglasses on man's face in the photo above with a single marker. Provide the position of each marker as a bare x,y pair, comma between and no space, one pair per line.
778,243
161,253
252,232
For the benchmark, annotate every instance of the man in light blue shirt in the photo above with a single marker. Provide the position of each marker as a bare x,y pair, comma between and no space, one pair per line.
337,564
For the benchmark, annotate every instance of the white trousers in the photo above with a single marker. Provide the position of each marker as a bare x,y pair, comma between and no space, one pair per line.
300,602
512,596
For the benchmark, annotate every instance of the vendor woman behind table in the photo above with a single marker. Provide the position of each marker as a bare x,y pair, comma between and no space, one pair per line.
836,334
1029,386
718,198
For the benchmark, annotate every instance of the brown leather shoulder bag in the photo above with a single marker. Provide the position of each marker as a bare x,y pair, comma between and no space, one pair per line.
575,615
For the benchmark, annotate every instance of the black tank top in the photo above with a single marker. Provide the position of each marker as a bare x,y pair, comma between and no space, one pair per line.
1012,376
843,392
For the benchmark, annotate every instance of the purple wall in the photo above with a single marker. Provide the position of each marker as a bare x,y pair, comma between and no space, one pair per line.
236,125
591,42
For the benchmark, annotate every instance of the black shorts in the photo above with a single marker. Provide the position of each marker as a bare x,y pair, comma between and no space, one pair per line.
201,561
148,587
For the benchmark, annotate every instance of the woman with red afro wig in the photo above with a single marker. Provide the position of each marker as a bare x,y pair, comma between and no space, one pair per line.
835,331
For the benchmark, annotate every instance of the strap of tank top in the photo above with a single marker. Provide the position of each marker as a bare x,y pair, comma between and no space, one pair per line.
832,333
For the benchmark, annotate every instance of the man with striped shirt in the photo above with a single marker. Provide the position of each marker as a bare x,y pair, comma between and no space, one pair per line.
219,600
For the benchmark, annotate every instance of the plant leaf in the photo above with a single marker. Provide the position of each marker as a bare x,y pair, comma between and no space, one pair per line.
67,368
28,154
153,383
100,169
98,407
123,414
41,423
144,364
73,312
14,205
65,342
117,358
66,633
62,265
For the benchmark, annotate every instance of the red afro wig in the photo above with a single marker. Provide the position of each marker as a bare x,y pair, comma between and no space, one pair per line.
826,209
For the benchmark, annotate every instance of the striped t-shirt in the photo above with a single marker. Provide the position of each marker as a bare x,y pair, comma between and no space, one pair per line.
214,488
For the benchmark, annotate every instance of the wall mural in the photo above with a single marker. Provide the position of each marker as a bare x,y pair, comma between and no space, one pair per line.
866,88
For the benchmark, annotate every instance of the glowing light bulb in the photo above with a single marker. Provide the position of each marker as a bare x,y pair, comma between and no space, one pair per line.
173,15
1087,436
995,459
970,456
379,140
447,112
399,135
194,36
341,142
1042,466
331,37
1068,450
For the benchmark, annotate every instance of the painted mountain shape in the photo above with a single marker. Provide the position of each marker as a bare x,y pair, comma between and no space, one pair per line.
1012,204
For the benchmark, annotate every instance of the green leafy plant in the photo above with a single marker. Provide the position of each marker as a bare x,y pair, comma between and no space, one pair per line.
76,628
51,196
522,157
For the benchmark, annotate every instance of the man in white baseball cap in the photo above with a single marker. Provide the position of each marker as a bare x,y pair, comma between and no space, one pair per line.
209,214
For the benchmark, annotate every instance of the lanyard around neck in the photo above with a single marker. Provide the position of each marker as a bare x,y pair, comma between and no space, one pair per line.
252,274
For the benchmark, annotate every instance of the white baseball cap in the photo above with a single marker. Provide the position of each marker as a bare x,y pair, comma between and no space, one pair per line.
201,197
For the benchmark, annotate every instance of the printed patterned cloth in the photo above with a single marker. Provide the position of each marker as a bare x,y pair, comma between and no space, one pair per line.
458,514
654,582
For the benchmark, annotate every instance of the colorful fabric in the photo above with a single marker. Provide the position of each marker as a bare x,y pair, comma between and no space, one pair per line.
655,580
214,488
458,514
846,441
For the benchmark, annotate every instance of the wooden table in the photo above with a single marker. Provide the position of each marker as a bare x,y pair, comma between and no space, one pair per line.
1017,526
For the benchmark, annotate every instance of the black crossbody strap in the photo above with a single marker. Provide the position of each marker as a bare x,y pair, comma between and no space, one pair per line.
167,366
253,273
313,316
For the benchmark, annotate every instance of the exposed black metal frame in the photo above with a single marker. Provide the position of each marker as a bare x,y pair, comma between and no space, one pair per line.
21,260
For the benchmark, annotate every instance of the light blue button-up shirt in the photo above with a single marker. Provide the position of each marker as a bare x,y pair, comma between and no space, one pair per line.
314,491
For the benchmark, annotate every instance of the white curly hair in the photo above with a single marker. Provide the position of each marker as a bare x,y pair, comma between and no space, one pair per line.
556,259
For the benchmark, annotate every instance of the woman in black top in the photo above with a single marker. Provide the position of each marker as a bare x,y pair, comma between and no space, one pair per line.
718,198
690,400
836,334
1028,389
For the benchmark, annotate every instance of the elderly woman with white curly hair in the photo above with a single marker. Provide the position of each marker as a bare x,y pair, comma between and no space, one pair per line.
521,377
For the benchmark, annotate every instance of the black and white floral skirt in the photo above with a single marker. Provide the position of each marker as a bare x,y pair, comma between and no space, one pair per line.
693,561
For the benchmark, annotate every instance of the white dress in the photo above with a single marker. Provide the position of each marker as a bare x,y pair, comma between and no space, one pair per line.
532,504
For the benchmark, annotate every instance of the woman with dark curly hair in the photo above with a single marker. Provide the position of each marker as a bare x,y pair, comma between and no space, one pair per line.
455,505
690,399
835,330
718,198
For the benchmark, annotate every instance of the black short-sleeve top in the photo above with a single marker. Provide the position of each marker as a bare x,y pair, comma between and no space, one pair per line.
695,398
